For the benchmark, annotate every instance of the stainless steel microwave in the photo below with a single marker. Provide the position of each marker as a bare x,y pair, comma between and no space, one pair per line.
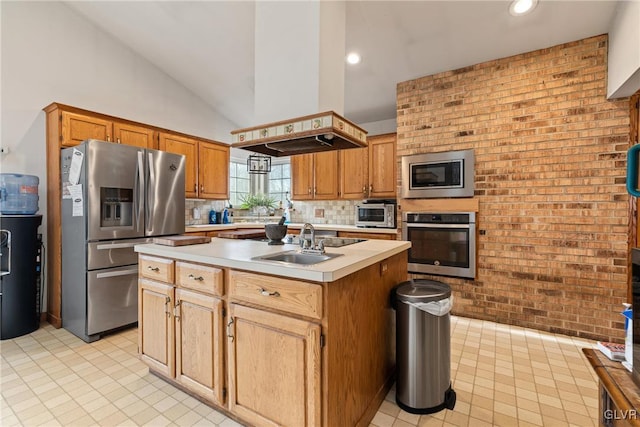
376,215
436,175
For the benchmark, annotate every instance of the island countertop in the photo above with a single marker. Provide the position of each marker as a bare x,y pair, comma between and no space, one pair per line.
239,254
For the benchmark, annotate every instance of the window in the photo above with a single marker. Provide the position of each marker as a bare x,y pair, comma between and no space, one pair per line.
238,182
280,182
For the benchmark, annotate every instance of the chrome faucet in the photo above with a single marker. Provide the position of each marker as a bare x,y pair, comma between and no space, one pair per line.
309,245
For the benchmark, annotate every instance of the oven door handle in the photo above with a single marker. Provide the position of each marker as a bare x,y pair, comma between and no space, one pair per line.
415,225
117,273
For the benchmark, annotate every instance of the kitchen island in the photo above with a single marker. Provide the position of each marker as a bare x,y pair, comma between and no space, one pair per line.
272,343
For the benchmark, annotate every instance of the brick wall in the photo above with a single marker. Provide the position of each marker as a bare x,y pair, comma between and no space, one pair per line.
550,178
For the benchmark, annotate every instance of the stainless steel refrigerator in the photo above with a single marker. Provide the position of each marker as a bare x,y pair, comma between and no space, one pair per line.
113,197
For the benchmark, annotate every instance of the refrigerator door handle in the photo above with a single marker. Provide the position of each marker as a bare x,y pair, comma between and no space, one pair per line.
151,197
139,192
117,273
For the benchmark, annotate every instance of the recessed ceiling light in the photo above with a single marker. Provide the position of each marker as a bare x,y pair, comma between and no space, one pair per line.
522,7
353,58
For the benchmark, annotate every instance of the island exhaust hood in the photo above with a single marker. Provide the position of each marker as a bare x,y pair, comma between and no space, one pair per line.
309,134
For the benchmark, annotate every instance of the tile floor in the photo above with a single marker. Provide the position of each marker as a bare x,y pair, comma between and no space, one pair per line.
503,375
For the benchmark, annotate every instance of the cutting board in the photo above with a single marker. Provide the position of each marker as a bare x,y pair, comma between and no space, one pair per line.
181,240
256,233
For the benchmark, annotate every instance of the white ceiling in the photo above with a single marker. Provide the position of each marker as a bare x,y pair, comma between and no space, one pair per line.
208,46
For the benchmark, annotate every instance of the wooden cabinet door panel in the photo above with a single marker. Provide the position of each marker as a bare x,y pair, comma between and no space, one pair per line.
136,136
155,320
199,344
189,148
213,171
274,368
325,168
76,128
382,166
302,177
354,173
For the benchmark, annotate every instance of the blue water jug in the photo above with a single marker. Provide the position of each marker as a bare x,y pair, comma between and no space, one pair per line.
225,216
212,217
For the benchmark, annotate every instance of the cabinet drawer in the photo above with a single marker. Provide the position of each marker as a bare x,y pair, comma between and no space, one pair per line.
275,292
160,269
200,278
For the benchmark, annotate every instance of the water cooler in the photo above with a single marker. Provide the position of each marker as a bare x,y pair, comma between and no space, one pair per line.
20,256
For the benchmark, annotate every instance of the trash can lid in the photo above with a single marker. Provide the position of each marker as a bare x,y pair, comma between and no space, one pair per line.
423,290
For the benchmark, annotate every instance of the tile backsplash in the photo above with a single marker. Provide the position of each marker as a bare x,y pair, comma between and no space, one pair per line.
339,212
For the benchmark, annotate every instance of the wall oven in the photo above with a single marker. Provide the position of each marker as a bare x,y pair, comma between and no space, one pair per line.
443,244
434,175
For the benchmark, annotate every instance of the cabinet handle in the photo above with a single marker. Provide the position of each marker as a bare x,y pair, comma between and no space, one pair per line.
309,190
202,188
108,138
229,334
315,190
176,311
118,140
266,293
199,278
364,189
195,187
166,306
154,269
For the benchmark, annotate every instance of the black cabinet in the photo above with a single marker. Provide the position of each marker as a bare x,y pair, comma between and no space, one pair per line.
20,269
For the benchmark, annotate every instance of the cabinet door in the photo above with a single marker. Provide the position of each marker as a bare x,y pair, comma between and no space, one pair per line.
213,171
274,368
325,169
189,148
382,166
302,177
354,173
155,326
199,344
137,136
77,127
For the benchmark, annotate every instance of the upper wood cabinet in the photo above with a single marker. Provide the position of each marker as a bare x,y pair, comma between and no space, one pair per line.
314,176
354,173
213,170
188,147
78,127
368,173
382,166
207,170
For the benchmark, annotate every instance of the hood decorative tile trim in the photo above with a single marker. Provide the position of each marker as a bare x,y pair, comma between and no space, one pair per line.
309,134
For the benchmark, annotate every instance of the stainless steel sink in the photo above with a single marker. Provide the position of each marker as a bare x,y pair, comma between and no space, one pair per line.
295,257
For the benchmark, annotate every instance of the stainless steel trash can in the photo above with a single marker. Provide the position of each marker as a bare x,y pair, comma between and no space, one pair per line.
423,346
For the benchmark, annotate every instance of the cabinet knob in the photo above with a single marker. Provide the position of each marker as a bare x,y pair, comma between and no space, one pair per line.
266,293
202,188
364,189
108,138
309,190
118,140
195,188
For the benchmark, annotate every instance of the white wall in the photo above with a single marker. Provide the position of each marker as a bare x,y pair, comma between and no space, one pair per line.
51,54
624,51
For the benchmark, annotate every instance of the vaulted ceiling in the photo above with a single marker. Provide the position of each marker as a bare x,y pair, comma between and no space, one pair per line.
208,46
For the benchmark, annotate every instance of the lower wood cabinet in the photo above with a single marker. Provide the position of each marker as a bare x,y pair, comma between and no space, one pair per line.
274,368
156,343
180,331
198,325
